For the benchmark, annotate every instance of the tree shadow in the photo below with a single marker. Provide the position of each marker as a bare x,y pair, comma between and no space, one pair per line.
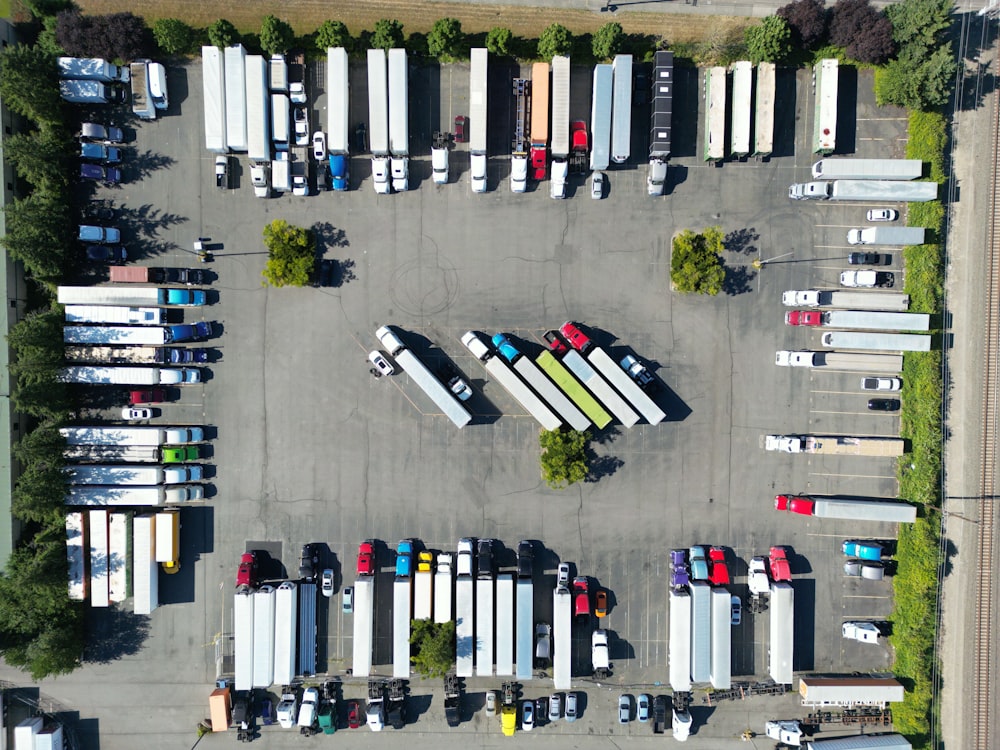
601,466
328,236
114,633
978,78
742,241
144,164
738,280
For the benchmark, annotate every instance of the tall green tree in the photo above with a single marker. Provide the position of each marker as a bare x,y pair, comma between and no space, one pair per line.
40,494
696,262
917,81
222,34
45,158
564,457
44,444
29,84
276,36
769,41
445,39
291,254
333,34
921,22
388,34
38,234
498,41
554,40
434,647
38,336
607,41
173,36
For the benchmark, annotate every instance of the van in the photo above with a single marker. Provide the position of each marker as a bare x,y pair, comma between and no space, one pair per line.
158,85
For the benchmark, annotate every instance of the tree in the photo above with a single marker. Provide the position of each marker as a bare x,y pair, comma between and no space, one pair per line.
43,444
564,457
39,336
864,32
173,36
291,254
388,34
445,39
38,234
333,34
607,41
118,36
434,647
223,34
921,22
807,20
696,262
41,9
29,84
922,83
769,40
276,36
47,38
40,494
45,158
498,41
554,40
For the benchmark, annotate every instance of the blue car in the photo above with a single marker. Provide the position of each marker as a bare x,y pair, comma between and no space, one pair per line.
404,559
506,349
862,550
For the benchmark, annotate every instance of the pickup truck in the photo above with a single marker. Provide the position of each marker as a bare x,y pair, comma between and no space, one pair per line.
867,279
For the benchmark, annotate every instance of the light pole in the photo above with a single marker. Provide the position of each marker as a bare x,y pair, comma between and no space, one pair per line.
759,263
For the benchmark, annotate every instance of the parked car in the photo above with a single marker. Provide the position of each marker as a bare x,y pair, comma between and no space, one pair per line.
347,602
326,583
882,214
131,413
868,259
188,276
643,704
297,93
353,714
301,120
581,597
147,396
881,384
92,131
102,235
600,603
100,153
571,707
527,715
543,645
110,175
624,709
736,610
639,373
597,185
555,707
453,379
883,404
491,702
319,145
382,366
99,212
246,575
459,128
577,339
106,253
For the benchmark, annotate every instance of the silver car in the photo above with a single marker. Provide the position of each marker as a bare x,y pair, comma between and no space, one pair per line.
642,714
624,709
597,186
571,708
555,707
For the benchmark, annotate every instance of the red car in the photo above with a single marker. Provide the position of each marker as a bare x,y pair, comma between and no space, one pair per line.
366,559
719,575
803,318
780,569
581,597
148,396
353,714
247,573
460,128
575,337
802,505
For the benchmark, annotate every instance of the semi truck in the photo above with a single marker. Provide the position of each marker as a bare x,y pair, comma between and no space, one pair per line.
141,336
893,342
562,638
715,114
539,120
853,509
841,445
378,119
524,629
506,377
555,398
763,131
145,572
477,118
148,275
680,640
599,387
134,354
505,625
128,295
886,236
213,80
128,375
338,115
850,361
258,100
826,85
364,619
137,496
859,319
286,608
243,620
76,557
98,314
701,631
880,300
401,612
864,190
263,636
868,169
560,126
443,583
423,377
621,111
484,624
601,360
660,121
600,117
236,97
89,92
520,144
739,141
92,69
399,127
782,632
131,453
849,691
720,674
134,475
465,641
423,590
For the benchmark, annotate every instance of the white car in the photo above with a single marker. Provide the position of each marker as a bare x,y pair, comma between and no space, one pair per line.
882,214
301,118
571,708
297,93
319,145
326,585
597,186
555,707
881,384
347,605
382,365
491,702
133,414
736,611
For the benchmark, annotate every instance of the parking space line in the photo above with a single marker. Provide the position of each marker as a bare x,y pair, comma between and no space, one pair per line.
864,596
853,476
855,413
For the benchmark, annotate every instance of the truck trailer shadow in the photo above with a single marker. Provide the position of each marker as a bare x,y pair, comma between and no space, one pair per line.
804,659
197,534
114,633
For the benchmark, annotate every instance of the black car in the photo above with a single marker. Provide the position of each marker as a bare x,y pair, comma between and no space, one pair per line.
883,404
525,558
867,259
309,561
640,92
485,555
106,253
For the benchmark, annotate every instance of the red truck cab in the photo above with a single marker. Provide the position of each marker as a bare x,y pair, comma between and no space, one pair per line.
803,318
581,597
577,339
246,576
780,569
539,162
366,559
795,504
719,575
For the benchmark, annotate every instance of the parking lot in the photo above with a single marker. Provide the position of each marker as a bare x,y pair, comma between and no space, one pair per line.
310,447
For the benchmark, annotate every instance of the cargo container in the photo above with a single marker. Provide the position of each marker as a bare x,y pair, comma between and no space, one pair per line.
92,69
560,125
97,525
862,742
621,112
281,119
277,68
600,117
680,640
539,120
849,691
443,585
129,496
89,92
50,738
142,474
573,389
118,533
720,674
401,613
98,314
213,79
399,127
551,395
236,98
120,436
715,114
364,619
562,639
600,388
826,85
868,169
423,593
128,375
140,336
145,571
782,631
701,631
465,646
524,629
220,709
763,131
660,121
258,109
243,640
286,610
168,540
872,300
892,342
76,557
25,733
739,143
478,118
263,636
484,626
307,629
505,625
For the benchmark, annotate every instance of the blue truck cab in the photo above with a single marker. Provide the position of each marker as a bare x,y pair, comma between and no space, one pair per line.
699,565
404,559
506,349
186,297
103,235
339,171
100,152
197,332
862,550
